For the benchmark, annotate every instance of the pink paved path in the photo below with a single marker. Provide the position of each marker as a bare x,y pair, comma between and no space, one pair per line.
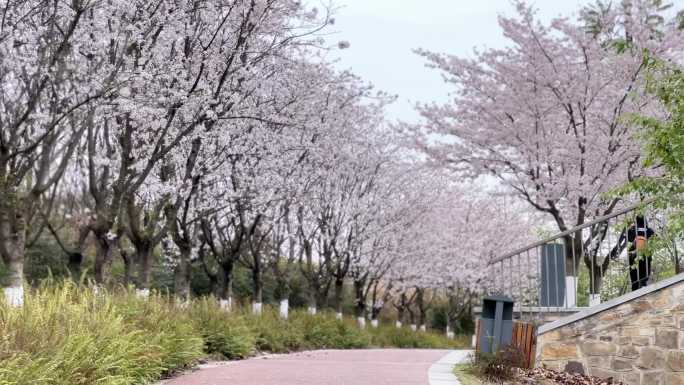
326,367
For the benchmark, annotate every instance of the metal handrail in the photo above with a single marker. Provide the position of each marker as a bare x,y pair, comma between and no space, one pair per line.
573,230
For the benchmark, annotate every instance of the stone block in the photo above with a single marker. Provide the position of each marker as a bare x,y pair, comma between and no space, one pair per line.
675,360
606,338
624,340
554,365
667,338
558,350
668,320
662,300
651,358
592,348
610,316
674,379
628,351
631,331
641,306
641,341
551,336
632,378
652,378
621,364
603,373
598,361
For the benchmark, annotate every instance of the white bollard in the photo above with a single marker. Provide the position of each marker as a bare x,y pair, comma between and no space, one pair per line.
397,324
142,293
284,308
338,316
256,308
312,310
14,296
374,323
414,327
362,322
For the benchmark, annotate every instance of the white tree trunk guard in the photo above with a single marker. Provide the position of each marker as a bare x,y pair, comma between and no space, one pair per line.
284,308
14,296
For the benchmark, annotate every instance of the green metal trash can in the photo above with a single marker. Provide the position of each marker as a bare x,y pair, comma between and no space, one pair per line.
496,323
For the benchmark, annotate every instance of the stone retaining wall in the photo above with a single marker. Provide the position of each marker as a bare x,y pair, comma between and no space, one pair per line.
639,342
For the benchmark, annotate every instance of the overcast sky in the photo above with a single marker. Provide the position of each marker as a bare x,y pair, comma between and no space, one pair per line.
383,34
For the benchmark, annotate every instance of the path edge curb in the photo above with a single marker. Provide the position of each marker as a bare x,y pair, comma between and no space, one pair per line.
442,371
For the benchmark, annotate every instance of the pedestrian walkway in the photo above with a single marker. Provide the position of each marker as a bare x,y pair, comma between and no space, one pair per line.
333,367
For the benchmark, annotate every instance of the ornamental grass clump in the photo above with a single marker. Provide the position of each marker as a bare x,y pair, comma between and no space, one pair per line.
226,335
65,334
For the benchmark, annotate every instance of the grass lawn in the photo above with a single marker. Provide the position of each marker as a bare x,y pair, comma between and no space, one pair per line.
465,375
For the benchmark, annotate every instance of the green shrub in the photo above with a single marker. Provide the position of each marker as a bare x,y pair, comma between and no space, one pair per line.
389,336
225,335
324,331
276,335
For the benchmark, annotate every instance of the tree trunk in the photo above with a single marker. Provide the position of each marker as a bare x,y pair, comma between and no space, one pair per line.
226,291
375,312
283,296
339,294
257,285
13,236
182,275
313,306
422,306
144,259
74,265
128,268
400,316
258,288
14,292
103,259
359,299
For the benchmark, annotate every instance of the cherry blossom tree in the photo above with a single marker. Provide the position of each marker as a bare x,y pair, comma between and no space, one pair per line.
546,115
51,77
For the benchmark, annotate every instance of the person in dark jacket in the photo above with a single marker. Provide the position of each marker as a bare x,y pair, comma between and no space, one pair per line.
640,259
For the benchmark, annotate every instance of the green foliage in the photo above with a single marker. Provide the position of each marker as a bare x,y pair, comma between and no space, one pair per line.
465,324
664,142
225,336
67,334
664,148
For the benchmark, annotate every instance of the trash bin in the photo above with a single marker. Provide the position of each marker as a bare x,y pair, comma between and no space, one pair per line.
496,324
